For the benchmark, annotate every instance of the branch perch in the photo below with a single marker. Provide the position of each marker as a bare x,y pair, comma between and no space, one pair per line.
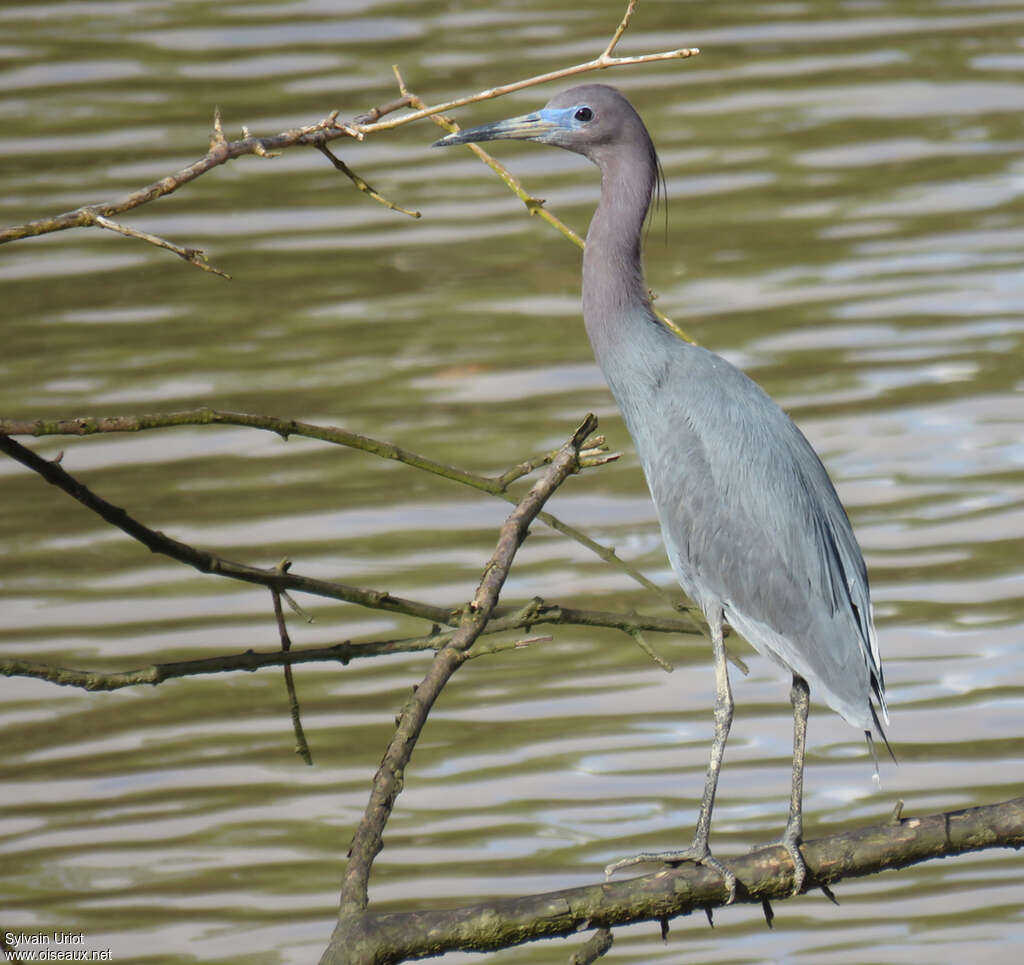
385,939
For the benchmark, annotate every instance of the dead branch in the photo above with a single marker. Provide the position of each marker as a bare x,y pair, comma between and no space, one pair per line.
317,135
280,579
361,184
384,939
301,745
504,619
597,945
496,486
387,783
205,561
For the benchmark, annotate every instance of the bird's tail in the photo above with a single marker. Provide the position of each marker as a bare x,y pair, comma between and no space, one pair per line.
871,744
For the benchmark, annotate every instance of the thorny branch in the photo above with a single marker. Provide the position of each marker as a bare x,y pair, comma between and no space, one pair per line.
495,486
764,875
318,135
301,746
279,579
362,936
504,620
387,784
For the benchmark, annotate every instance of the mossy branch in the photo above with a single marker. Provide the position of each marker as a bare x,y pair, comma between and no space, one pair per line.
764,875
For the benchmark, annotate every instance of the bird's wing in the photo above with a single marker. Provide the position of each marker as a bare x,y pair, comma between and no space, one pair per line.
753,523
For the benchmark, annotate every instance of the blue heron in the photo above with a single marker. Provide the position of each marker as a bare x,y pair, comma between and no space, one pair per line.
754,530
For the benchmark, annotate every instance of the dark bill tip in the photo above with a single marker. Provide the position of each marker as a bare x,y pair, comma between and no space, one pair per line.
448,140
529,127
486,132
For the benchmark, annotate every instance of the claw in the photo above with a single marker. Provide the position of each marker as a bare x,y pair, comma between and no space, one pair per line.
728,876
695,854
799,868
791,841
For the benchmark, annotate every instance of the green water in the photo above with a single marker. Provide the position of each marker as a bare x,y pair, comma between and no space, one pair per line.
846,223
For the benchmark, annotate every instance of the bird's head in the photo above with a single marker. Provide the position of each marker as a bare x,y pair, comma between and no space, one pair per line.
594,120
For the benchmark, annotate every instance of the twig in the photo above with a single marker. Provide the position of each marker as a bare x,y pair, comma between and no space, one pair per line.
620,29
301,746
535,205
221,150
487,649
194,256
376,113
596,946
503,619
387,783
638,638
361,184
496,486
601,62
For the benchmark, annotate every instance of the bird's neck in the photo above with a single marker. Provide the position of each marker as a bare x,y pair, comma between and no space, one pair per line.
614,291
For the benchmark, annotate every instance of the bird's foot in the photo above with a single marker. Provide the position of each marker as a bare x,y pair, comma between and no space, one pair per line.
791,840
696,853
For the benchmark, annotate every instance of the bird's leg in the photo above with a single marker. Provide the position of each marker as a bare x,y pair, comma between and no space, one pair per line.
800,697
699,851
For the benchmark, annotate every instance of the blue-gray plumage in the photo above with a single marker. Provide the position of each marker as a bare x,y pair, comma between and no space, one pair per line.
753,527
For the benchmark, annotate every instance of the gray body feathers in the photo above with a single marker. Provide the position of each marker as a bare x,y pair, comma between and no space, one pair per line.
753,527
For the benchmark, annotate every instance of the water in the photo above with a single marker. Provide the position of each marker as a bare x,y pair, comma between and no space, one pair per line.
845,223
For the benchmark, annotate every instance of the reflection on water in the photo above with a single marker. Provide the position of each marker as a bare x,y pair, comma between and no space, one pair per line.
845,224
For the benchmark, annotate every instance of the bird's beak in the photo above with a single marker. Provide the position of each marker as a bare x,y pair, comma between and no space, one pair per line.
527,127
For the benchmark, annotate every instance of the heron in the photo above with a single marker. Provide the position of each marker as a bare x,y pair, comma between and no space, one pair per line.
754,530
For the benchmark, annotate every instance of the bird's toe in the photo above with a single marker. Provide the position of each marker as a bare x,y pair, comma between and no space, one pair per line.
791,841
696,854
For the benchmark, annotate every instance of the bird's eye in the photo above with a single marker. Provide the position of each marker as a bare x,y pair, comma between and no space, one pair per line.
584,114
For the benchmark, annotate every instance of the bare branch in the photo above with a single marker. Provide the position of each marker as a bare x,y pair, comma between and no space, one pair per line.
221,150
88,425
385,939
620,29
387,783
504,619
638,638
301,745
361,184
205,561
600,62
279,579
596,946
376,113
194,256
